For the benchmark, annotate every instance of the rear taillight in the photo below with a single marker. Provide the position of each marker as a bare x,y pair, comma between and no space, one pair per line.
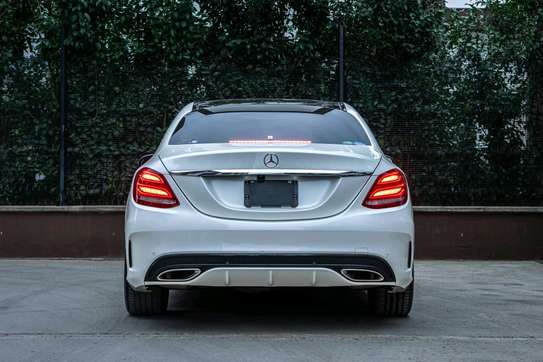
152,189
390,189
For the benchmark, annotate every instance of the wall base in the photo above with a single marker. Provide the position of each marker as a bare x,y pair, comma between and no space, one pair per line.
441,232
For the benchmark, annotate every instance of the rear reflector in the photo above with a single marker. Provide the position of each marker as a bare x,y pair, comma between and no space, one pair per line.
152,189
390,189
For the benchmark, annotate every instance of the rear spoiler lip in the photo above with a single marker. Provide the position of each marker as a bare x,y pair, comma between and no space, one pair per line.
271,172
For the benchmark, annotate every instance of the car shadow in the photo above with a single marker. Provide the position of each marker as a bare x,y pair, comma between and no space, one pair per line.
311,310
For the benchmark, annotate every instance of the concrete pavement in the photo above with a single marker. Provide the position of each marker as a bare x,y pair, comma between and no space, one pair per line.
73,310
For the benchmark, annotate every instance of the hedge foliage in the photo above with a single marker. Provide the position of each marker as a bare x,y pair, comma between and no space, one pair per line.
455,96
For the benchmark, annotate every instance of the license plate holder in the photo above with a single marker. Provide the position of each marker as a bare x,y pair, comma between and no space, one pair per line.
270,193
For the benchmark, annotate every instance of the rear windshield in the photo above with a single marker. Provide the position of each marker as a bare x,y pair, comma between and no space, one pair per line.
333,127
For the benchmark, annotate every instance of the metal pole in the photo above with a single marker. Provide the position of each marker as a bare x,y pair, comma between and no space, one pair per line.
341,71
62,108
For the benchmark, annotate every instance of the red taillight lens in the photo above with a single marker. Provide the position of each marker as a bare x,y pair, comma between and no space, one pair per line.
390,189
152,189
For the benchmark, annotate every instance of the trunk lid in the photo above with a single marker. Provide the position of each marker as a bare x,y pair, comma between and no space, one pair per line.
213,176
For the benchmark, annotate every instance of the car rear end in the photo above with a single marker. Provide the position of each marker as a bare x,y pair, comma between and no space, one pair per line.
270,194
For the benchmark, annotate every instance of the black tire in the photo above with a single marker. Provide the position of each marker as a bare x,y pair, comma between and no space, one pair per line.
383,303
151,302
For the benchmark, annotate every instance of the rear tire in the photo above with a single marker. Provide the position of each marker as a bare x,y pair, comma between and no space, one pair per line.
385,304
150,302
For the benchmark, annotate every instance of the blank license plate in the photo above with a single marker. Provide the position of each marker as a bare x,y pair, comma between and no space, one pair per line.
271,193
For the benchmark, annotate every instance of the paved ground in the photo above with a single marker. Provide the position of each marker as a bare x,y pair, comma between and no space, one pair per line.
73,310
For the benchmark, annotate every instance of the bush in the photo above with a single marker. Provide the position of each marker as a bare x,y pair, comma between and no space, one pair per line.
454,97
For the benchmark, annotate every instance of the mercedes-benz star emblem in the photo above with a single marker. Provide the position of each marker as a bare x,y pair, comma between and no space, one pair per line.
271,160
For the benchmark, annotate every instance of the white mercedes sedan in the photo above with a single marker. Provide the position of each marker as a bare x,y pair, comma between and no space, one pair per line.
269,193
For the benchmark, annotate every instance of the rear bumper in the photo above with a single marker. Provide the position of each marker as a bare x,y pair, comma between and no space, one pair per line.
350,238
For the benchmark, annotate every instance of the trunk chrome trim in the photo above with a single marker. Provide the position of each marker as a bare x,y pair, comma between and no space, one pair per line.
275,172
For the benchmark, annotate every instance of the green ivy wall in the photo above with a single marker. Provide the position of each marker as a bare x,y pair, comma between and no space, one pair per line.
454,96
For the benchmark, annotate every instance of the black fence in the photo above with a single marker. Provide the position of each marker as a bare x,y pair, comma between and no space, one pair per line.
461,134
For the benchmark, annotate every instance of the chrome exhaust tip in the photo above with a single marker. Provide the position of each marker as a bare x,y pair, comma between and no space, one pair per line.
362,275
178,275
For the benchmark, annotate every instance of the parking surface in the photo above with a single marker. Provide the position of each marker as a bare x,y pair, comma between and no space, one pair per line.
73,310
